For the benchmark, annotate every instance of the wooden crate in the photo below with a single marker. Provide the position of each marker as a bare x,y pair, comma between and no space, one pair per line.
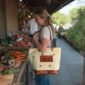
6,79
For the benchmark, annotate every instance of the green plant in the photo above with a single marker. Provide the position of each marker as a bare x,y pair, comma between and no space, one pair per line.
77,32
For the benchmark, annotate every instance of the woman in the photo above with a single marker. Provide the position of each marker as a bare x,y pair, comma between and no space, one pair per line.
42,41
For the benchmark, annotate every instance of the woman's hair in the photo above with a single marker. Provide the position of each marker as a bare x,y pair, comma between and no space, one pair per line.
49,22
42,13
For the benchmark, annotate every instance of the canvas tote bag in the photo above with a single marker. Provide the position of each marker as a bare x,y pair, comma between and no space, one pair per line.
47,62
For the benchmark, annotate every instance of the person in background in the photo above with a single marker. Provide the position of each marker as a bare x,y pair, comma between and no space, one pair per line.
42,41
60,30
32,24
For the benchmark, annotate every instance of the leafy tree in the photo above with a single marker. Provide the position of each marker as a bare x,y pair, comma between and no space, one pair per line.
59,18
74,13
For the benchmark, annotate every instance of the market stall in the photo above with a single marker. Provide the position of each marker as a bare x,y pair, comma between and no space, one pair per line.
14,78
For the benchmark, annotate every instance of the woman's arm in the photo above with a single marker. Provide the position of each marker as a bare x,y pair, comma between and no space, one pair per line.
44,44
45,36
41,46
36,41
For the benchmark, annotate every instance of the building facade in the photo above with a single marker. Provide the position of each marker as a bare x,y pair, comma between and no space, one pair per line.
8,17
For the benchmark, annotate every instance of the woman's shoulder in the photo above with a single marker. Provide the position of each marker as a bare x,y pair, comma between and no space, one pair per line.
46,28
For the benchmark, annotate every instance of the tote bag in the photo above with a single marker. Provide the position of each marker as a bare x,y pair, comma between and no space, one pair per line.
47,62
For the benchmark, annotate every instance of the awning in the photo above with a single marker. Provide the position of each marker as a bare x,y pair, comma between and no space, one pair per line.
51,5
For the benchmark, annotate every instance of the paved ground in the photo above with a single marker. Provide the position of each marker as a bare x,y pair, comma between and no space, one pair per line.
71,71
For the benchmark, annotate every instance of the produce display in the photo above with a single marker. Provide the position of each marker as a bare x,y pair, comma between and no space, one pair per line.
18,56
10,60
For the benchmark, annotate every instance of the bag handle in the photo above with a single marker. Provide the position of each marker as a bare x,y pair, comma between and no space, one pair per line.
51,34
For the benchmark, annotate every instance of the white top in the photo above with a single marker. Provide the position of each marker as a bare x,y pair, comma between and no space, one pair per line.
32,24
46,33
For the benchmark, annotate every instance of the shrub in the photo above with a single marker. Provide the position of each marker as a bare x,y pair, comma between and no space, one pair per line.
77,32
